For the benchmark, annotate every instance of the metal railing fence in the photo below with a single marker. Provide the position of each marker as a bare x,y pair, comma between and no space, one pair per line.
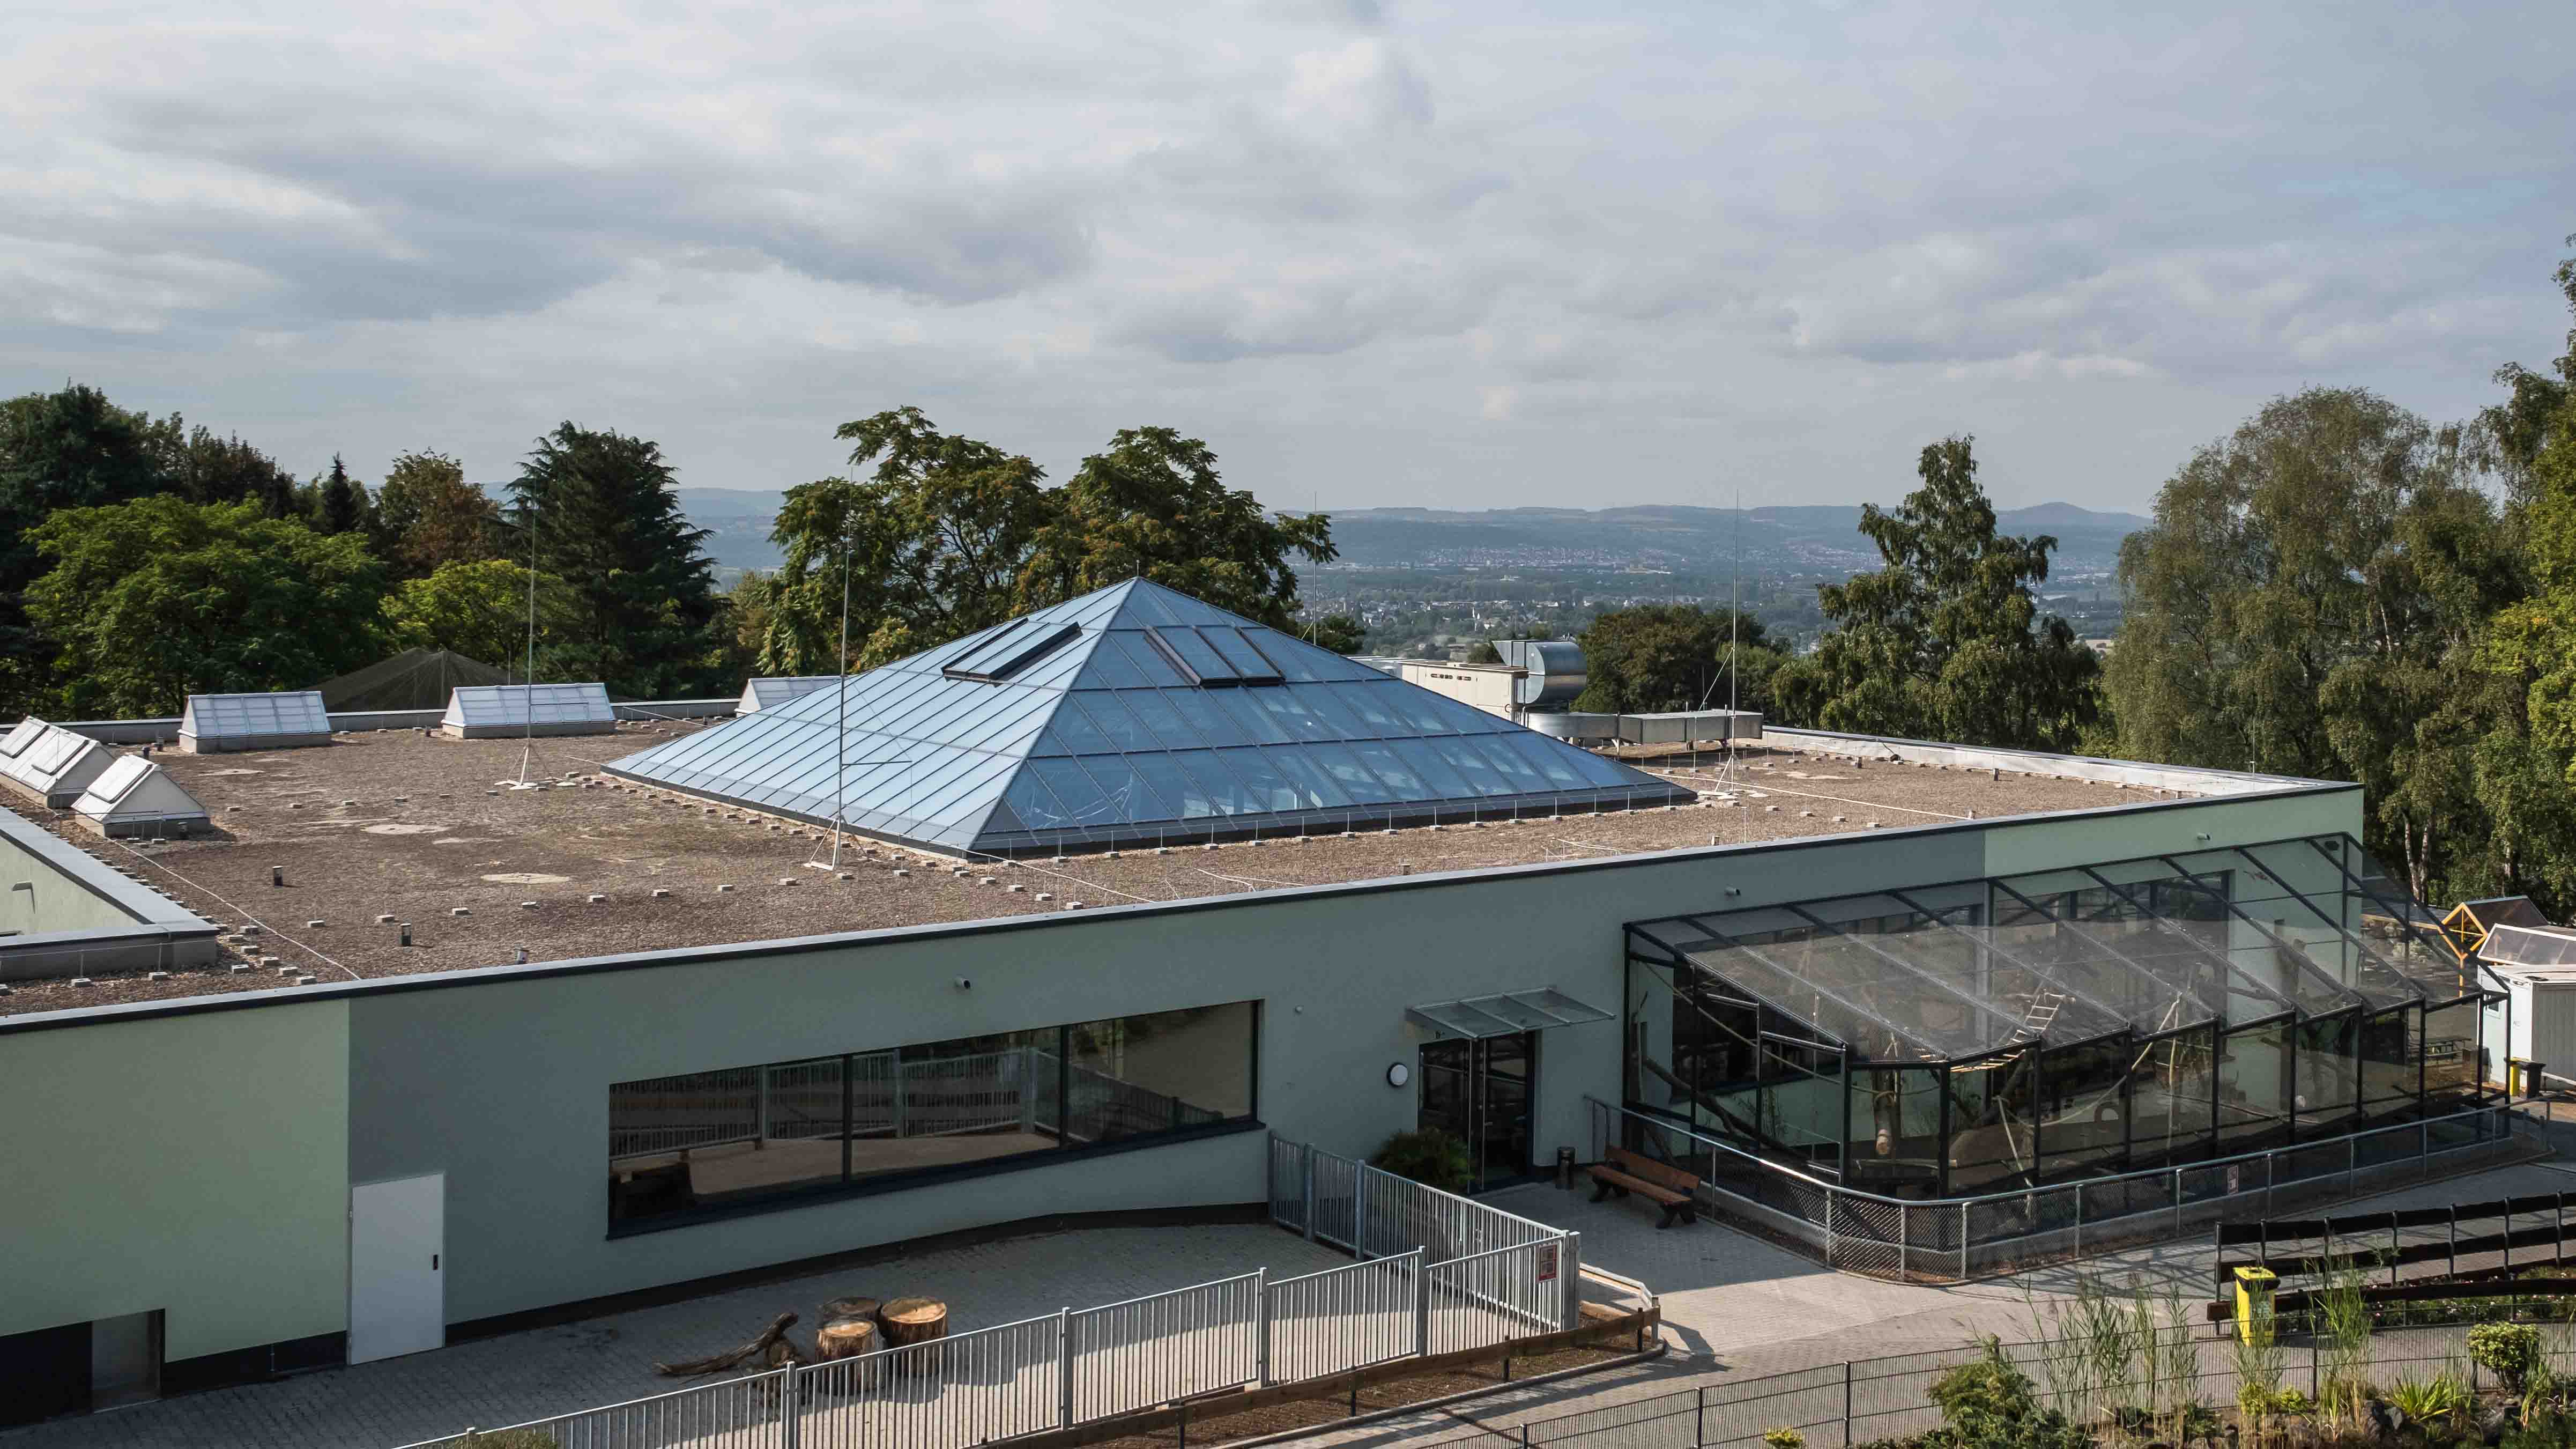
1843,1404
1167,1346
1470,1277
1487,1297
735,1414
1955,1239
948,1393
1345,1318
1349,1204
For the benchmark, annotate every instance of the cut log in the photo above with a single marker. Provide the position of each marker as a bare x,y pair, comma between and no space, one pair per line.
913,1320
846,1338
852,1307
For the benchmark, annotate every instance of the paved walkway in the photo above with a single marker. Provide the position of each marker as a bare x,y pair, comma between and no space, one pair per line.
524,1376
1737,1307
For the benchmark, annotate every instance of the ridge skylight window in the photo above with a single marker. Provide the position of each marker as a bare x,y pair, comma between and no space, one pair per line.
1213,655
1011,652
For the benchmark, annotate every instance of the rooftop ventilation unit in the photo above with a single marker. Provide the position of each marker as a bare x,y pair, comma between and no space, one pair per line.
772,690
1554,671
1585,727
220,723
1684,726
22,734
134,796
511,711
51,764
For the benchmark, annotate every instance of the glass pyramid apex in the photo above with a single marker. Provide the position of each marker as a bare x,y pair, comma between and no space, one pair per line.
1132,715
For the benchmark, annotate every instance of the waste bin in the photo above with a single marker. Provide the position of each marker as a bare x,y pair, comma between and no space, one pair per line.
2254,1303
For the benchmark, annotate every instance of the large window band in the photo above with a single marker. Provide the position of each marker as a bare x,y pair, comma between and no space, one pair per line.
752,1138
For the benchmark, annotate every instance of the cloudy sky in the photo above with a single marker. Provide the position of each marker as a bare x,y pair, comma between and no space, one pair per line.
1480,255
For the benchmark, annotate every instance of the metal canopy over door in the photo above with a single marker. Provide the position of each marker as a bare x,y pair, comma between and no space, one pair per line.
1479,1091
397,1280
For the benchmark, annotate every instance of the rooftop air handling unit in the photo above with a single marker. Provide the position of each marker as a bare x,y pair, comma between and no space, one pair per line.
516,711
134,796
771,691
1553,671
51,764
218,724
1689,726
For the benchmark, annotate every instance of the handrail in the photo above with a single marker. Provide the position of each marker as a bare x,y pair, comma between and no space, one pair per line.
1784,1170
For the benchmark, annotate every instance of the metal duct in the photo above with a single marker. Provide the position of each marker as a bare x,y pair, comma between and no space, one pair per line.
1555,671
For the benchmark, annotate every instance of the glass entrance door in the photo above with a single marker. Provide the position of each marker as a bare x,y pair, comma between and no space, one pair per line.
1480,1092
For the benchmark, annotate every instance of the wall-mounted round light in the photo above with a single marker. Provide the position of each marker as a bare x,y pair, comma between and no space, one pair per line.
1397,1074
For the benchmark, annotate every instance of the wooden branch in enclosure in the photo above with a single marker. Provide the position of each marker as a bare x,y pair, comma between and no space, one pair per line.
763,1347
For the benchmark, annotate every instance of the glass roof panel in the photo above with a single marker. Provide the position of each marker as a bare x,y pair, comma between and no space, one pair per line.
1250,664
2138,948
1099,732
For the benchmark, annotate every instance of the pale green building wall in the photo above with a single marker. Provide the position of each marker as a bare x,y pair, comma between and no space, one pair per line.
201,1162
195,1164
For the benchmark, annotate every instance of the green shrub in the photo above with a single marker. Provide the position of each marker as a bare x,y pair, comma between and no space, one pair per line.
1990,1404
2440,1403
1784,1438
1431,1157
2510,1351
504,1439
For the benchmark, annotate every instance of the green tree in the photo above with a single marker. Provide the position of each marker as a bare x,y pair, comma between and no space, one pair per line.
2524,760
1483,652
156,599
66,449
2510,436
607,521
935,540
2314,599
1341,633
480,610
1153,506
1947,641
204,468
427,516
948,534
340,501
1676,656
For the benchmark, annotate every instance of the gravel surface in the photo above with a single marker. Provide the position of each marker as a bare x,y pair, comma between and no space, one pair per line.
396,825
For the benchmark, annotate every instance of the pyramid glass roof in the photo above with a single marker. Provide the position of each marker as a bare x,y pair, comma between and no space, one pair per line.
1134,715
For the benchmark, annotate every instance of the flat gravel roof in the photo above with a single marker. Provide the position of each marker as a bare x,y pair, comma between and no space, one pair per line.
392,824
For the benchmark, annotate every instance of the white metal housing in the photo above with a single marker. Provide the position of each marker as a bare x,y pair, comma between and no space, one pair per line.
1681,727
507,711
769,691
285,720
134,796
51,764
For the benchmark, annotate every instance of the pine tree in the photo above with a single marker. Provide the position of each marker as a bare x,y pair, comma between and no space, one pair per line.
342,505
1947,642
607,521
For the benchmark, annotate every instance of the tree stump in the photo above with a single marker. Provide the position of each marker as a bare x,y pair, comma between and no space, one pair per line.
854,1306
910,1321
846,1337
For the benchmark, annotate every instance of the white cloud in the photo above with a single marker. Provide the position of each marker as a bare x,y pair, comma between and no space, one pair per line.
1373,253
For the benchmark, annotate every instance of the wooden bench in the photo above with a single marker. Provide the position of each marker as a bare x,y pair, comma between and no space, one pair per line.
1624,1172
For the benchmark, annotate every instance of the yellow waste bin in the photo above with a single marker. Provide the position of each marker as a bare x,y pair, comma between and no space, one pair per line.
2254,1303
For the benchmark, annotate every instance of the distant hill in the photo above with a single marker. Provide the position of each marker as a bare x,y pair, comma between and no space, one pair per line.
1816,539
1821,538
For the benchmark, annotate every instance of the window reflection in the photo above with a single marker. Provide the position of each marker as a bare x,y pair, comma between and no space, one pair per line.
737,1136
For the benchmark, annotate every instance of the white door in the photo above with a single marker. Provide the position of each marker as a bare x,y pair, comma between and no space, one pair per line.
397,1278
